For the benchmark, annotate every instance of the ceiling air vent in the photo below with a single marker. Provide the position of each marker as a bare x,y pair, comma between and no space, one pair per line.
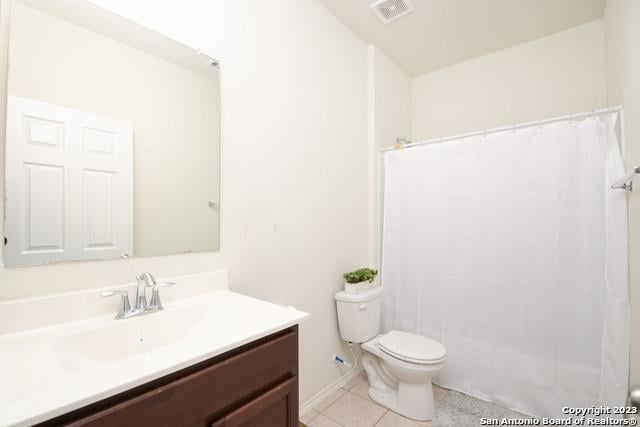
390,10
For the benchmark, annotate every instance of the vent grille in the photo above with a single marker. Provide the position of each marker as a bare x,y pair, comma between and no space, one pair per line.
390,10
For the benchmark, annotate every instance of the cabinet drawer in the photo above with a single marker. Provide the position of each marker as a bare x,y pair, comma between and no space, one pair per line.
277,407
203,396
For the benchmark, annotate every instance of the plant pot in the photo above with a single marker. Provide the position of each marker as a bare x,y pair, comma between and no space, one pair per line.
354,288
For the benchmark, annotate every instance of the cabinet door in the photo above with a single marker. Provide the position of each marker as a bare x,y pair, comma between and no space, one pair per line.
278,407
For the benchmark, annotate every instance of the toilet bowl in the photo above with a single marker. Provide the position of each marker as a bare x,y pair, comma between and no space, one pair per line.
399,365
400,377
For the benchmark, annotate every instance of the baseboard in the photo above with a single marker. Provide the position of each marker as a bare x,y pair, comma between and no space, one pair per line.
324,393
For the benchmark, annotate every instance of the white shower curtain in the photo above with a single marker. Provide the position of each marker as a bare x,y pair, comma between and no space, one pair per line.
511,250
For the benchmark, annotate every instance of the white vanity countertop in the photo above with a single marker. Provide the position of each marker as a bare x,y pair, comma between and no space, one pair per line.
42,376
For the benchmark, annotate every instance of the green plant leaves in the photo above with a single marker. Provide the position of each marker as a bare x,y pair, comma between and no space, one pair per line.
361,275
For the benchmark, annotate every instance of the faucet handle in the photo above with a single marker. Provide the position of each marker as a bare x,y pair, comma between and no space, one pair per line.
162,285
155,303
125,307
121,292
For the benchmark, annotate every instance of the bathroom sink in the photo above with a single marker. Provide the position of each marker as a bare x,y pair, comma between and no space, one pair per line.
121,339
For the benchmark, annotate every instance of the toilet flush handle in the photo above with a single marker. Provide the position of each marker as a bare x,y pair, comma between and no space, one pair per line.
362,307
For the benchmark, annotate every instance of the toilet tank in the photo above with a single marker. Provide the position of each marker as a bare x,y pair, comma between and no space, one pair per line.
359,314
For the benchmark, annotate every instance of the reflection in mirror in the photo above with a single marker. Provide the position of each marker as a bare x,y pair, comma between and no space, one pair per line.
112,139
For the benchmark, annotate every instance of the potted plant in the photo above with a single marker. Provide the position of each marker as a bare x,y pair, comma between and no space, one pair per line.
359,280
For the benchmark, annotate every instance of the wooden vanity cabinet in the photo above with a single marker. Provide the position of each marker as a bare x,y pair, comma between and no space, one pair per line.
254,385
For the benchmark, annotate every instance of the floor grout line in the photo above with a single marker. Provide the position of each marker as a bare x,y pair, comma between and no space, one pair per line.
444,394
314,417
335,421
358,396
381,417
349,390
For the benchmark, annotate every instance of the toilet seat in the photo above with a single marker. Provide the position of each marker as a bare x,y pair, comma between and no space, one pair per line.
411,348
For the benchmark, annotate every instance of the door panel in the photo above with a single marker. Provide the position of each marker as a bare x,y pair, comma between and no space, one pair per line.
98,212
44,209
99,142
40,131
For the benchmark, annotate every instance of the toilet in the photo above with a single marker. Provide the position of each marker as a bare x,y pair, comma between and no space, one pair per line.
399,365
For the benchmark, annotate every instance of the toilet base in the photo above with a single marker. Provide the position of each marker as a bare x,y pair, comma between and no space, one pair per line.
411,400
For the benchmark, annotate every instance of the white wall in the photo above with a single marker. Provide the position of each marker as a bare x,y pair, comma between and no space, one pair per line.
294,163
294,122
392,100
622,19
556,75
174,112
389,118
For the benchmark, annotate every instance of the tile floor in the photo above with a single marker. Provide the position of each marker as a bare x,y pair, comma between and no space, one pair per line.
351,407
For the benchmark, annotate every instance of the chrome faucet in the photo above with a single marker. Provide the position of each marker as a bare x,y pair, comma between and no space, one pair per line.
141,296
141,307
124,310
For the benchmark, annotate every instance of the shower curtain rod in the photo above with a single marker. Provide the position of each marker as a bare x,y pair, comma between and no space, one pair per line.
507,128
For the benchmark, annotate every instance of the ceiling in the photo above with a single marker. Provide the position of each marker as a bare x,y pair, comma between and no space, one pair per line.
440,33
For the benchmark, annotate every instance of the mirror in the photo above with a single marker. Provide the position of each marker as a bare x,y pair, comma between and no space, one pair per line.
113,139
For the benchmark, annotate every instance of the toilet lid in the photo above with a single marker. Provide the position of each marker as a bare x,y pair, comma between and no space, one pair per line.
411,347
